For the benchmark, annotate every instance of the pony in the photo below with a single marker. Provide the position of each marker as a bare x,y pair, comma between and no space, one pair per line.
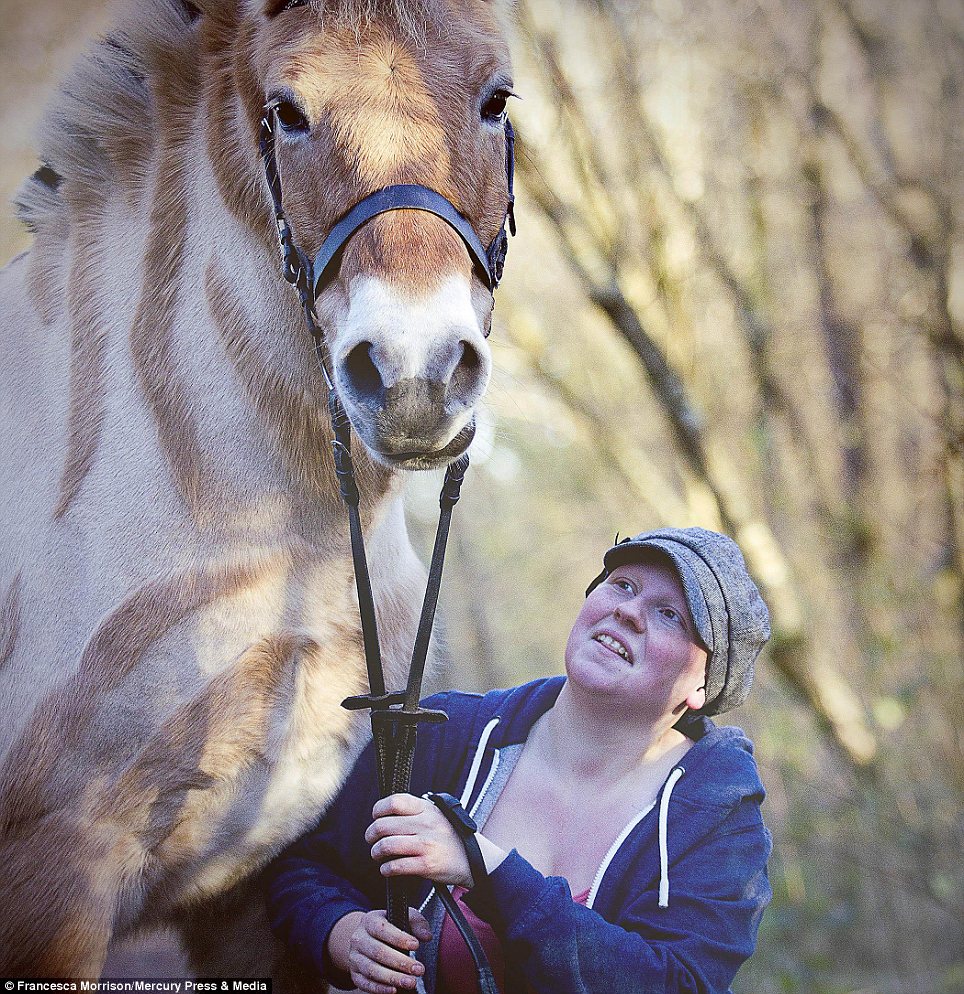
178,621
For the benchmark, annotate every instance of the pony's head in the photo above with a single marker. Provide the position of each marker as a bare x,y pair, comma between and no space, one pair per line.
371,94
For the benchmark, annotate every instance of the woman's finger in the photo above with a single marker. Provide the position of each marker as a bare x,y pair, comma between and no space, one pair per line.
398,804
370,987
420,926
382,930
384,956
406,866
368,962
398,845
390,825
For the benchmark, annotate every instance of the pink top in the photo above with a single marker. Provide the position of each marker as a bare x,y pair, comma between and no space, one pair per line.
456,970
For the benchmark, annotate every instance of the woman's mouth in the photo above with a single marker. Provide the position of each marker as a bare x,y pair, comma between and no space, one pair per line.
614,645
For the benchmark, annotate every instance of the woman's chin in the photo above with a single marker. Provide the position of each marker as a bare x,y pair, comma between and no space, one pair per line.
595,663
595,676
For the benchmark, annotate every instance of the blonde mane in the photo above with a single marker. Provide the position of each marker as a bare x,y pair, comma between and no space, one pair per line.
98,134
409,15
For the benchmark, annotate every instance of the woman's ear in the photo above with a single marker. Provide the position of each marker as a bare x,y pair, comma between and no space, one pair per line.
695,699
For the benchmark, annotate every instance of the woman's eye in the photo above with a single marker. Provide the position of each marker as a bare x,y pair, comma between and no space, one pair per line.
672,615
494,107
624,585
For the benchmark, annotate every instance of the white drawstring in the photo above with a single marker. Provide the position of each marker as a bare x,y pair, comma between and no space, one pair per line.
477,762
663,812
663,849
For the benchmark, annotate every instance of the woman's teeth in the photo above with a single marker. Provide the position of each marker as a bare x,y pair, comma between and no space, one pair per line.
614,644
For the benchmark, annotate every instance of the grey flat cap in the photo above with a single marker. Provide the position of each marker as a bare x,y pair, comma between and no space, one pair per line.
726,606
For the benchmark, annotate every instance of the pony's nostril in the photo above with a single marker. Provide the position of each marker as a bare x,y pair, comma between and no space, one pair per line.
467,373
362,374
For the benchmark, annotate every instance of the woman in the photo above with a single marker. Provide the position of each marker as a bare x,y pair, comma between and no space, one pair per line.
620,828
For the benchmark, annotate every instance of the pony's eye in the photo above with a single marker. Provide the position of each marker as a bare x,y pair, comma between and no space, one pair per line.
494,107
290,117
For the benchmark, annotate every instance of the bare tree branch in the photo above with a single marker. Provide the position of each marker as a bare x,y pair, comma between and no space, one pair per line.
833,702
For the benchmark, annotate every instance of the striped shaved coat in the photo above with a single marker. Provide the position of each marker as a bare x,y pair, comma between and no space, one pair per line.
178,622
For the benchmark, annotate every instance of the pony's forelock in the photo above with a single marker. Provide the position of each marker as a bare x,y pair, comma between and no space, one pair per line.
410,16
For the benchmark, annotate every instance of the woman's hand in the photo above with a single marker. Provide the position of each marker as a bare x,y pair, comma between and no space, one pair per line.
375,953
411,837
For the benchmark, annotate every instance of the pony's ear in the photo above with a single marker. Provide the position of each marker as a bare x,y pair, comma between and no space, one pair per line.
233,8
271,8
218,8
191,10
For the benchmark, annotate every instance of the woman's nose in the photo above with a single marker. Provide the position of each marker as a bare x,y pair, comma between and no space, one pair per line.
632,612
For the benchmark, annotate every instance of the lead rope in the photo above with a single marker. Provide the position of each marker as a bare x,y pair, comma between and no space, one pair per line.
394,716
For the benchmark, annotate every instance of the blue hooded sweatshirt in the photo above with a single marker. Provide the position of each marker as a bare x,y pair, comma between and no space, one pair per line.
675,905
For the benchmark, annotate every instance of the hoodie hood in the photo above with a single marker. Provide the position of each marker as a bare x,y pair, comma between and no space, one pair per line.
505,717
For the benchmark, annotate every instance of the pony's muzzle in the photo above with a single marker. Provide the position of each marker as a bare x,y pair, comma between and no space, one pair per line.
410,368
425,417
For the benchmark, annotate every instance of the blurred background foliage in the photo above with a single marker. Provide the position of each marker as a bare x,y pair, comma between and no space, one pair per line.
736,300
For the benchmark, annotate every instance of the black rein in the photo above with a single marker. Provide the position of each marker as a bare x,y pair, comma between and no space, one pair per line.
395,716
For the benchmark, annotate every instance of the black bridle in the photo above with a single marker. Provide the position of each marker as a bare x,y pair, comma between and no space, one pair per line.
311,276
395,715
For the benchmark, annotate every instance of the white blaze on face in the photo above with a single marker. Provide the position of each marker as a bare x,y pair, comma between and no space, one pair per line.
416,337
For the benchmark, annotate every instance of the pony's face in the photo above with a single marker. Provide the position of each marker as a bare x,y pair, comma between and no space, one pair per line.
366,105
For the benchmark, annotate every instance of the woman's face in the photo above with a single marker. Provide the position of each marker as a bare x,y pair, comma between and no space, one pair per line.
634,639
